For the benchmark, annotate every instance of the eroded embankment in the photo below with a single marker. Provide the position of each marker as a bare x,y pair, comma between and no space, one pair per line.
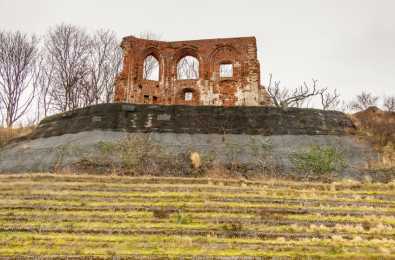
249,139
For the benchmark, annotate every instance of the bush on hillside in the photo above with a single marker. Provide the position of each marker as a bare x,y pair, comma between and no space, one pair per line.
319,160
378,128
376,125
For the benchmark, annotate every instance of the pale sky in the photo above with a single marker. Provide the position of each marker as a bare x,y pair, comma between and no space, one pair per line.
345,44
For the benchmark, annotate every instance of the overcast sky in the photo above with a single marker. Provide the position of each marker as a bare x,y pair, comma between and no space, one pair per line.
345,44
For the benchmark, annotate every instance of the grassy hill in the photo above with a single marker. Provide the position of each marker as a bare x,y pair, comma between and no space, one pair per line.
67,215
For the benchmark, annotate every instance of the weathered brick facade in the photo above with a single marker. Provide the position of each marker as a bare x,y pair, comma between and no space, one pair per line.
240,88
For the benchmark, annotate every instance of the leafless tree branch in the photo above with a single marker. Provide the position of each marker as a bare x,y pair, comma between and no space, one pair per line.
18,55
188,68
364,101
104,64
283,97
330,100
151,68
68,51
389,104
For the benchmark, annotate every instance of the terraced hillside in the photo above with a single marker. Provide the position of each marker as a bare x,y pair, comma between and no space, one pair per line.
63,215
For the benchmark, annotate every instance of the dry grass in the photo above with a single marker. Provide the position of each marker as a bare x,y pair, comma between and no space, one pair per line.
195,160
7,134
378,127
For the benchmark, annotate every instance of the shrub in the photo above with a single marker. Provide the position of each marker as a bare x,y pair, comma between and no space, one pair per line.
182,218
138,155
319,160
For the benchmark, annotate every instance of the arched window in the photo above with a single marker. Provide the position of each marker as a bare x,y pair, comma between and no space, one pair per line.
188,68
151,68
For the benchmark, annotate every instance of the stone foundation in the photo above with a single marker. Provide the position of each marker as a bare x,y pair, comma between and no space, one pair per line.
196,120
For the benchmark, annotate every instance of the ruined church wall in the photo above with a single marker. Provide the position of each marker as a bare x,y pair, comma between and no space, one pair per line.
243,88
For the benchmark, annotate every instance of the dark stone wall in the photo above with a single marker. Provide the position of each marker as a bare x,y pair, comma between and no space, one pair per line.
199,119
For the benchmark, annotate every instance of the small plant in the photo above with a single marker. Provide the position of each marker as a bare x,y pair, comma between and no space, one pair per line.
319,160
182,218
69,227
106,147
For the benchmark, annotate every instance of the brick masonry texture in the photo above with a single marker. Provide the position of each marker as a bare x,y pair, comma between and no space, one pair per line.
196,120
241,89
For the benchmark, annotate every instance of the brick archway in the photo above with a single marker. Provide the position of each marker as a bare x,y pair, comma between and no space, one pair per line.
184,52
150,51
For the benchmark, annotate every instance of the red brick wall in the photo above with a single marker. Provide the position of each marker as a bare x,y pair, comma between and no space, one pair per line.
242,89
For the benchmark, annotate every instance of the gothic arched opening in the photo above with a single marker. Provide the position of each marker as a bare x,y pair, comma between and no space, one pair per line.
188,68
151,69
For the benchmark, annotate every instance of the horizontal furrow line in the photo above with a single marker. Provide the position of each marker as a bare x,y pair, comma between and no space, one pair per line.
204,197
197,232
187,180
207,209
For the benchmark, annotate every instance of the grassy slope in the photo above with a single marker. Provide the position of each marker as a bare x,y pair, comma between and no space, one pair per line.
105,216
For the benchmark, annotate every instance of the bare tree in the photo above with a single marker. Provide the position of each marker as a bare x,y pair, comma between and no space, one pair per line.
1,116
44,81
345,107
104,65
330,101
18,55
276,92
283,97
68,49
364,101
389,104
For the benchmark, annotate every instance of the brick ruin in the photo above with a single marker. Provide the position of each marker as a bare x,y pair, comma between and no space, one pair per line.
219,72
